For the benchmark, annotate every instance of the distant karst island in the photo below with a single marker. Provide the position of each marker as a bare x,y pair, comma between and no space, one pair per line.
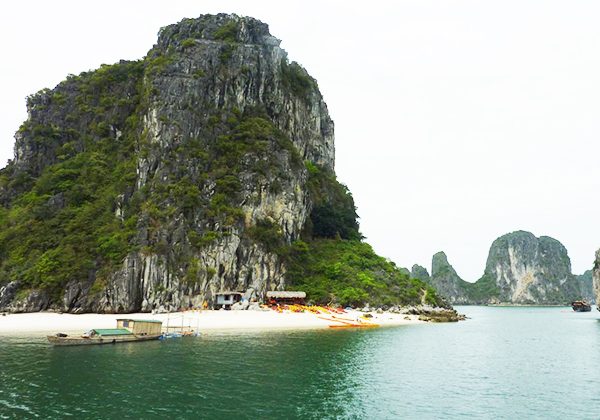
521,269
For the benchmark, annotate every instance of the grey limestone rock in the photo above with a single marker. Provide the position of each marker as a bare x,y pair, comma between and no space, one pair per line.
419,272
446,281
404,270
8,293
526,269
596,276
520,269
240,306
201,76
586,286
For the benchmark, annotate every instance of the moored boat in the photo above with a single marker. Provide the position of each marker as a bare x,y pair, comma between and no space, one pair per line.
127,331
581,306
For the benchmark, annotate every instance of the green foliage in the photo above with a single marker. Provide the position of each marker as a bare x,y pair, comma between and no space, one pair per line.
198,74
22,294
63,227
158,64
221,209
192,276
20,181
102,95
199,241
226,52
45,134
227,32
57,264
333,213
98,286
66,223
195,272
188,43
58,98
296,80
267,233
249,147
350,273
483,289
186,194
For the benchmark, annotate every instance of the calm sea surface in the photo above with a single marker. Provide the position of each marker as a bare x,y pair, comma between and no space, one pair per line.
502,363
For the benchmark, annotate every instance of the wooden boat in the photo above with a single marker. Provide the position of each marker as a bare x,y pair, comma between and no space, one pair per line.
66,340
127,331
581,306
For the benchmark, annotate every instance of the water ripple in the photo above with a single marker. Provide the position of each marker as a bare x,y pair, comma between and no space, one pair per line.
504,362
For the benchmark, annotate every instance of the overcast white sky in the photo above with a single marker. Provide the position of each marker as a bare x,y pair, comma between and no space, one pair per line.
456,121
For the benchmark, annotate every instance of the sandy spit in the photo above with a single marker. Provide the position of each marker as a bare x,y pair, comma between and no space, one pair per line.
44,323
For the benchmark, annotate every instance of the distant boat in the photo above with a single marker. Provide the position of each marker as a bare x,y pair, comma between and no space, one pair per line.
581,306
127,331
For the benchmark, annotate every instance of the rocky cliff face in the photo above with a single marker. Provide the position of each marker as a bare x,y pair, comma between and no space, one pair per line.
527,269
446,281
419,272
586,286
596,277
203,144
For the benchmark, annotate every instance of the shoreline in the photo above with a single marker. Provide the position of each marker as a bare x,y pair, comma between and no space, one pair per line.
518,305
205,321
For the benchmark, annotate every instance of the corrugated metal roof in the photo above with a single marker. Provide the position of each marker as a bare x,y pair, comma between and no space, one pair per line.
286,294
112,331
140,320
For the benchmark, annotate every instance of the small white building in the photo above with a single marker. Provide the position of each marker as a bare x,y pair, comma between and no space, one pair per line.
226,299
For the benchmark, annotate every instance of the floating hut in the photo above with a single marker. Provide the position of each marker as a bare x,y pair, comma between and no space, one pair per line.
140,326
286,298
226,299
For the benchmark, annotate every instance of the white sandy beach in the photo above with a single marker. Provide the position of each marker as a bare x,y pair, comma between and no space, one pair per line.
43,323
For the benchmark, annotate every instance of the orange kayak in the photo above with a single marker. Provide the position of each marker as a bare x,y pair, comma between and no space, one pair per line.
355,326
347,323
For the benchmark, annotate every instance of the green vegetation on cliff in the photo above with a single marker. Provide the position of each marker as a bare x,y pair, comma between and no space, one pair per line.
348,272
62,224
482,291
333,265
333,214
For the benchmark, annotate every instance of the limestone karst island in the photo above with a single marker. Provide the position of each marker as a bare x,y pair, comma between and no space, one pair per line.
174,242
204,170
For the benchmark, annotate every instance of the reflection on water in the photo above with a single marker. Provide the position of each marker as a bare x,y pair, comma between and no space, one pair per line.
504,362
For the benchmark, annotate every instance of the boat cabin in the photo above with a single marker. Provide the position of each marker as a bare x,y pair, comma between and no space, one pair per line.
581,306
140,326
107,332
286,298
226,299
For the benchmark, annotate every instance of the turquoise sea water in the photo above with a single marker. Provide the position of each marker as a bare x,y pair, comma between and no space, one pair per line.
502,363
